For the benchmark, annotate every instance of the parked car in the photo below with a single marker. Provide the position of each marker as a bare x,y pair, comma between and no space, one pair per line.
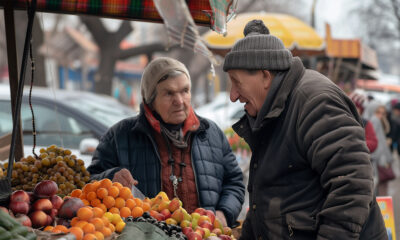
222,111
72,119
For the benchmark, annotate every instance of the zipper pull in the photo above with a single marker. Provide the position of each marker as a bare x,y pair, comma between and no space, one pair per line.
290,231
174,183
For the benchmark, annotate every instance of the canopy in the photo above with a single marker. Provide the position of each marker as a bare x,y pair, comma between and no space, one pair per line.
123,9
293,32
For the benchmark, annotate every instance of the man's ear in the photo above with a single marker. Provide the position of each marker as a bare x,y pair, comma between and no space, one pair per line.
267,79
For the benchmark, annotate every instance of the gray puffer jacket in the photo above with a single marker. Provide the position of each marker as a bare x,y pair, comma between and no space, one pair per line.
130,144
310,171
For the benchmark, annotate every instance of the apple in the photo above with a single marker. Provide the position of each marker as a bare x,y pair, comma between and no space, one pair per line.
174,205
24,220
53,213
163,205
186,223
171,221
56,201
199,230
38,218
224,237
207,225
217,231
195,215
200,211
211,215
202,219
43,205
19,207
227,231
207,232
178,215
19,196
218,224
187,230
166,213
194,236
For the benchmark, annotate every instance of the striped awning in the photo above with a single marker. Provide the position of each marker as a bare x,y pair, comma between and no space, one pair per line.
143,10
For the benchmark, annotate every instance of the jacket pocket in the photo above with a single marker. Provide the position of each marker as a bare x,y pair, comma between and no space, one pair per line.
300,223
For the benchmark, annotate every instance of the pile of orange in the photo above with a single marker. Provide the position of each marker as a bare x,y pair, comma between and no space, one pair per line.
111,197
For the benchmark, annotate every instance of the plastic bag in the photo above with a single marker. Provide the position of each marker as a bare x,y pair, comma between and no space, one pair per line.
137,193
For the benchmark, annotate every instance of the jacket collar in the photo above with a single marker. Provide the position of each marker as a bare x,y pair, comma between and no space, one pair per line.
293,75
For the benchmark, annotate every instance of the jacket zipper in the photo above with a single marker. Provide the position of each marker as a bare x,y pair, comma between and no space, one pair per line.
290,230
194,169
158,155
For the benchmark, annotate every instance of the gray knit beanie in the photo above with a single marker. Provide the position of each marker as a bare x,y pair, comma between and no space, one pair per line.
156,70
258,50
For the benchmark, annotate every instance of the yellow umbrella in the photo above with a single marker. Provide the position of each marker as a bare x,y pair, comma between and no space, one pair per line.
293,32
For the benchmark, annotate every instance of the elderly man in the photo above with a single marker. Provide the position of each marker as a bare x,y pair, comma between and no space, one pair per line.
310,171
168,148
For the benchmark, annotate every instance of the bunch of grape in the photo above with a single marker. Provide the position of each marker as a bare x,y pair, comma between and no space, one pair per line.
54,163
171,230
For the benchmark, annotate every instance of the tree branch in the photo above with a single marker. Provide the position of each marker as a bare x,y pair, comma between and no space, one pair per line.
124,29
95,27
144,49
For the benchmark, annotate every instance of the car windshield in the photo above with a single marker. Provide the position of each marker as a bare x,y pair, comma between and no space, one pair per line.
107,111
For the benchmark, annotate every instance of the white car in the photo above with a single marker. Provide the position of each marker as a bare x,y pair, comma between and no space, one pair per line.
71,119
222,111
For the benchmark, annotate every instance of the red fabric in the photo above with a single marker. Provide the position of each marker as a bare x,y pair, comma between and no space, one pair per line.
186,191
370,137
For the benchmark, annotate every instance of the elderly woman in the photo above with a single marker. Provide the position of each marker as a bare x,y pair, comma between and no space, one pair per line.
167,147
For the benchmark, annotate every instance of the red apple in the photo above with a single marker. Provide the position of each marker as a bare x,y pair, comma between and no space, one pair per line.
24,220
201,211
202,219
49,220
70,207
45,189
19,196
224,237
174,205
211,215
217,231
56,201
200,231
194,236
43,205
186,223
166,213
178,215
53,213
38,218
187,230
19,207
207,225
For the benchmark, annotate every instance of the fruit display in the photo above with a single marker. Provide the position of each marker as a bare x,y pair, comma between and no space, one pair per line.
11,228
54,163
39,208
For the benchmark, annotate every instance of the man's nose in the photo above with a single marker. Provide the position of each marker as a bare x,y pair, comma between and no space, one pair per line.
234,95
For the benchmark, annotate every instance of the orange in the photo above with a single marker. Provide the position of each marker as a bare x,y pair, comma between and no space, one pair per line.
80,224
139,202
48,229
117,184
120,226
86,202
116,219
82,196
125,193
146,206
89,228
130,203
137,212
105,183
103,207
113,191
95,186
87,188
74,221
111,227
91,195
109,202
60,228
102,193
99,235
106,232
105,220
89,236
125,212
95,202
119,203
76,193
85,213
98,223
114,210
97,212
78,232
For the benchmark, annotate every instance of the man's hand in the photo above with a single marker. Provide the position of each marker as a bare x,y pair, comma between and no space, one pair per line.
221,217
124,177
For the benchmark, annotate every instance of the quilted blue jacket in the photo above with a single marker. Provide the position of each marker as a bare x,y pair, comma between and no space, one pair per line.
130,144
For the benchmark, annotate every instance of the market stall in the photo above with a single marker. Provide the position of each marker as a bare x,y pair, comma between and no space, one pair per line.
49,195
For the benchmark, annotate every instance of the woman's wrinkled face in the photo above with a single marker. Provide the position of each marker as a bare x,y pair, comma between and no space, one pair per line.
173,99
250,88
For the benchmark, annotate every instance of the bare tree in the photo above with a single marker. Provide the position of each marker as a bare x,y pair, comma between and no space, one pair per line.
110,52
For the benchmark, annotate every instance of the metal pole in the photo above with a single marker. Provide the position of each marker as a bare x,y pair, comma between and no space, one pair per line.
13,71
